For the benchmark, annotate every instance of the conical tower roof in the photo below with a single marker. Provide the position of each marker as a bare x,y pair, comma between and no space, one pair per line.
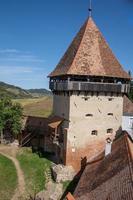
89,54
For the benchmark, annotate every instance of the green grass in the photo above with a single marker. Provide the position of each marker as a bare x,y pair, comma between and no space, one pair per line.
34,169
8,178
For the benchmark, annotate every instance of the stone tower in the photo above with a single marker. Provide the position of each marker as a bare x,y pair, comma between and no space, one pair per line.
88,86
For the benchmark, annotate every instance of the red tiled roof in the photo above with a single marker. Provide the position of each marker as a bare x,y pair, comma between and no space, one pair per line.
110,178
127,106
69,197
89,54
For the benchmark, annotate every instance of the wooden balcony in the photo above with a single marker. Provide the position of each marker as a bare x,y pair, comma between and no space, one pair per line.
89,87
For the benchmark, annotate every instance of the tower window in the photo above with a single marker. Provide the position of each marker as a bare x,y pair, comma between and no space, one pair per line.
89,115
97,94
94,132
110,130
110,99
110,114
85,98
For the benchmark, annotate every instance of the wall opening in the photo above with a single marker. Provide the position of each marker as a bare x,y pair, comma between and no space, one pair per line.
110,114
110,130
89,115
94,132
110,99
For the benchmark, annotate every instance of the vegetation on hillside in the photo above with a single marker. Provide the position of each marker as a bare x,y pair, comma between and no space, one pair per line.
39,92
7,90
12,91
34,169
131,92
10,117
8,178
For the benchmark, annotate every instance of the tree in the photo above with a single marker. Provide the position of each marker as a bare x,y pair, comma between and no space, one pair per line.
130,95
2,121
10,116
129,73
131,91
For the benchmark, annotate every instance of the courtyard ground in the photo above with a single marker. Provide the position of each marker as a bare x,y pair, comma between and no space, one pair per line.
26,170
24,174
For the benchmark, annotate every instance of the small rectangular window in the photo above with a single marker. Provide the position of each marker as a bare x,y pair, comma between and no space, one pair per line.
110,99
94,132
89,115
110,130
110,114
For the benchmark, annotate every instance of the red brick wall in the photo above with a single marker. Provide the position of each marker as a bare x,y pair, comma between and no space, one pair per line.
78,158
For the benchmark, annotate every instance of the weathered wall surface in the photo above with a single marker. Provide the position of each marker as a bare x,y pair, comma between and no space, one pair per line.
86,114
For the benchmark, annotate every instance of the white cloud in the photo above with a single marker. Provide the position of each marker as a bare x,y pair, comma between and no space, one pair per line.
9,70
4,51
12,70
15,55
23,58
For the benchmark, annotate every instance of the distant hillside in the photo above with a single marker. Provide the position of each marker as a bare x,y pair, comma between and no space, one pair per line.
39,92
17,92
13,91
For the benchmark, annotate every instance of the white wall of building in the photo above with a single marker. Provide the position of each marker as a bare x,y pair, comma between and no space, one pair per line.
81,125
127,124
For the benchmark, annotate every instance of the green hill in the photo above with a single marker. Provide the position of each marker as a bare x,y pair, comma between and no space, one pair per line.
39,92
13,91
19,93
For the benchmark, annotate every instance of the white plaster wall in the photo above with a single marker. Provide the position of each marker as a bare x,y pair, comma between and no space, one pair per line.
126,124
80,126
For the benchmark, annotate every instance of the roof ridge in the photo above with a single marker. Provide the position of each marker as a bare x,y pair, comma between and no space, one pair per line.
79,44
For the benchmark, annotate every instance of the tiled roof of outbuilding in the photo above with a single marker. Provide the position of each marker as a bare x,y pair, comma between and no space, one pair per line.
55,121
89,54
112,177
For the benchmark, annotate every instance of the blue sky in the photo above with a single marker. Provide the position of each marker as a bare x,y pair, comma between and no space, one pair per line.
34,34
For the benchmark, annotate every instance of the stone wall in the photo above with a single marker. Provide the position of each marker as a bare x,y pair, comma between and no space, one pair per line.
92,119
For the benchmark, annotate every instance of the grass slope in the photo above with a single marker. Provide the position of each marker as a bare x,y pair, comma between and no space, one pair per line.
34,168
41,107
8,178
